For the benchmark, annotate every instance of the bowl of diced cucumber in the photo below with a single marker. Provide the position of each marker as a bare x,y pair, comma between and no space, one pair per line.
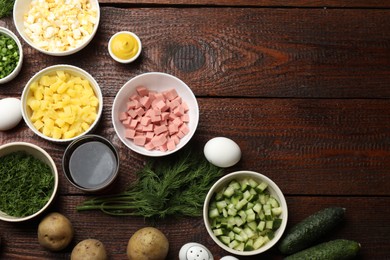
245,213
61,103
11,55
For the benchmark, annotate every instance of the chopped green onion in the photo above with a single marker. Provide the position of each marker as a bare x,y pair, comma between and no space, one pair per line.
9,58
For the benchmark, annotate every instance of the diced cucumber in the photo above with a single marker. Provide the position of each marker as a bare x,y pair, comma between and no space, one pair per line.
249,245
218,232
221,204
229,192
240,247
252,183
214,213
241,204
261,187
261,225
252,225
244,216
258,242
225,239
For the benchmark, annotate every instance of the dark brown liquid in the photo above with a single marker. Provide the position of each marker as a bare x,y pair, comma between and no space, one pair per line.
92,164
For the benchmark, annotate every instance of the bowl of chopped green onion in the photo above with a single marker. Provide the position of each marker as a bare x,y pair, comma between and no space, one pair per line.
11,55
245,213
28,181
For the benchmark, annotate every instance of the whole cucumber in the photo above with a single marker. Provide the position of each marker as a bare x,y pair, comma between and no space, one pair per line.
339,249
309,230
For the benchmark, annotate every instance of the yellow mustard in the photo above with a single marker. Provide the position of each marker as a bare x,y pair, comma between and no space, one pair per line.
124,46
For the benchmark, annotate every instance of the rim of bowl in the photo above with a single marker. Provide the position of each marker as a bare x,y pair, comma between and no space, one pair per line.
239,174
74,145
65,67
142,150
54,171
127,60
18,67
20,6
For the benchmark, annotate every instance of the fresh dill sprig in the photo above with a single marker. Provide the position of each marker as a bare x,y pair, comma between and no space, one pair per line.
172,186
6,7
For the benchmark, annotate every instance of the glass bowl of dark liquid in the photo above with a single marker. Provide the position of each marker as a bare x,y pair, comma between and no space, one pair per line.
91,163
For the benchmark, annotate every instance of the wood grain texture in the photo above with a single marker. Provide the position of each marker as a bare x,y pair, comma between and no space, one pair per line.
304,91
259,3
297,143
282,53
20,242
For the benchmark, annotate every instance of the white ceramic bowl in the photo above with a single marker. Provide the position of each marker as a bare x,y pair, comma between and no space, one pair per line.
133,58
76,71
273,190
18,67
159,82
40,154
21,7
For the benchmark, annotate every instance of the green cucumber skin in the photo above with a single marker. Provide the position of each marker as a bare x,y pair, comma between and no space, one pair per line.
309,230
339,249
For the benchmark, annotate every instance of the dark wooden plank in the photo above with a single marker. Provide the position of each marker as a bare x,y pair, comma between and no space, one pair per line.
300,144
371,230
295,53
261,3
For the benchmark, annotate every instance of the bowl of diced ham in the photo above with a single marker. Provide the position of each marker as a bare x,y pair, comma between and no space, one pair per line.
155,114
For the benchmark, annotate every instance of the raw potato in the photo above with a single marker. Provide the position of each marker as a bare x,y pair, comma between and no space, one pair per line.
89,249
148,244
55,232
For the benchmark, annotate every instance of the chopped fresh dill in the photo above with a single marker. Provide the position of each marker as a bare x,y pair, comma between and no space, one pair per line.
26,184
6,7
169,186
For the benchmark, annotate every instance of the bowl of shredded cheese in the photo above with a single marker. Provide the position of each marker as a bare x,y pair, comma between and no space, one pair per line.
57,27
61,103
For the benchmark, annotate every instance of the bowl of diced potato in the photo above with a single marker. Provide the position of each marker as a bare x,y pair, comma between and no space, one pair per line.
57,28
61,103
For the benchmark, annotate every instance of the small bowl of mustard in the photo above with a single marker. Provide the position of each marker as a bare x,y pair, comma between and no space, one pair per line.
124,46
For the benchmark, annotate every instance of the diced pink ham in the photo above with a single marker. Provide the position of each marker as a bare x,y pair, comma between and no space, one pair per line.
160,129
171,145
139,140
130,133
156,121
171,94
142,91
122,116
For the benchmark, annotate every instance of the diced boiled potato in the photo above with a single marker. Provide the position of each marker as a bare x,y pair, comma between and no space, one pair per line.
62,105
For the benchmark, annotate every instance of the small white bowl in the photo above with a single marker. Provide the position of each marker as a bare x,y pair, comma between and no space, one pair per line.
18,67
273,190
159,82
133,58
26,111
40,154
21,7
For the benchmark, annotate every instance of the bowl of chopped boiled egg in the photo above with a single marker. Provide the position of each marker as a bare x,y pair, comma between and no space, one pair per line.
61,103
57,27
245,213
155,114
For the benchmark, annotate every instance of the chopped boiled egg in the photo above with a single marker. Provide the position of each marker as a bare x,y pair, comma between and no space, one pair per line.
60,25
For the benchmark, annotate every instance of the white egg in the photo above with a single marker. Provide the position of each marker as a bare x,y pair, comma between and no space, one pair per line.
228,257
222,152
10,113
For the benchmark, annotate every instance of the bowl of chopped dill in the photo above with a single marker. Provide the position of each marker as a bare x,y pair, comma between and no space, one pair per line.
28,181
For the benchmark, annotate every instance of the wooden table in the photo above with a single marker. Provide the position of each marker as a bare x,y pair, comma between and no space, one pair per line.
302,86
